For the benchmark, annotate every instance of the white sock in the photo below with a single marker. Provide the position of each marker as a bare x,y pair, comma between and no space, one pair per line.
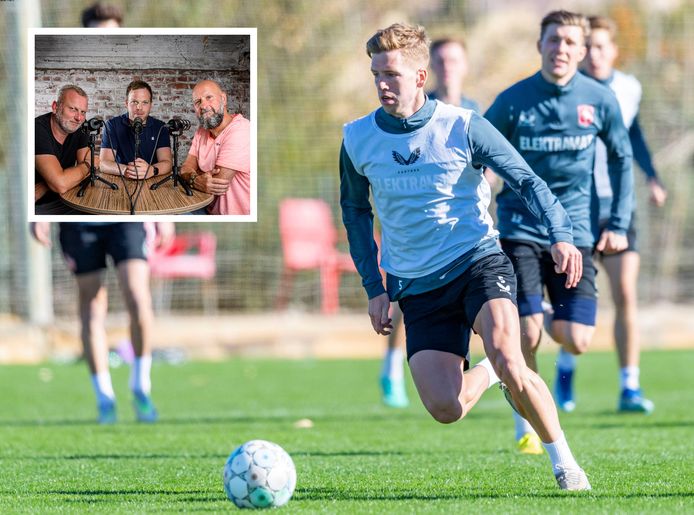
493,378
140,374
560,454
103,388
565,360
629,378
522,426
393,363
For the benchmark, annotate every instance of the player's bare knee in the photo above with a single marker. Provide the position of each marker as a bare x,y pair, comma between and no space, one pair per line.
445,412
530,337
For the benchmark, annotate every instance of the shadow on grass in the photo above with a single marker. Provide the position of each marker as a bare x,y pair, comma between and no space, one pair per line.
633,421
224,419
201,456
326,494
107,496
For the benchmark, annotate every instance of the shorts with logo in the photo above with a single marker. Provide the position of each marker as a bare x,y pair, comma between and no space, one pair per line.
85,246
535,270
441,319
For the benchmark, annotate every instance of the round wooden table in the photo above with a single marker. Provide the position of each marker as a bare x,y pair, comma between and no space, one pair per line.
100,199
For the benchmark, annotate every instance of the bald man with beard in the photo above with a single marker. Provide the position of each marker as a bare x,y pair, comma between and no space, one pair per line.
218,161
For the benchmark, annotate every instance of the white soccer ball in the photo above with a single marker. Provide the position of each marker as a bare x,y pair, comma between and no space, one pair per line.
259,474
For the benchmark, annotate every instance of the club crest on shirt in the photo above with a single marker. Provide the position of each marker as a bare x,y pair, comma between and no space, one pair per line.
414,155
526,119
586,115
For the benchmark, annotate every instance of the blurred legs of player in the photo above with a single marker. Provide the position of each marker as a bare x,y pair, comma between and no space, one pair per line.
133,277
93,305
392,379
570,335
622,270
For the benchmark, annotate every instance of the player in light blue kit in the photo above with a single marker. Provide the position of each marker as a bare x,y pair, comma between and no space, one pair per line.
554,119
450,67
622,268
422,162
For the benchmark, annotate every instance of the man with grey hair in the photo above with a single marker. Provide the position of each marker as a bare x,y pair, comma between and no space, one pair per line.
62,157
219,160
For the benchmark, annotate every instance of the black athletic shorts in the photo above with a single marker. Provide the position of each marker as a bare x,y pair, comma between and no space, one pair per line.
441,319
631,236
535,270
85,246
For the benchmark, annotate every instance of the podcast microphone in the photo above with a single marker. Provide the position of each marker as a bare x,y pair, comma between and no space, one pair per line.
178,124
137,125
92,125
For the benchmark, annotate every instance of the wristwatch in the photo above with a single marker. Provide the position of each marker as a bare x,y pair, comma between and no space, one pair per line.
155,172
191,181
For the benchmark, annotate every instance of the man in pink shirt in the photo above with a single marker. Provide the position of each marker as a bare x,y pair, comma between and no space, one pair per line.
219,160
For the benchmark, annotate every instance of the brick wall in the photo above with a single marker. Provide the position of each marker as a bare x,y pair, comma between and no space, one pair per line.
189,59
171,89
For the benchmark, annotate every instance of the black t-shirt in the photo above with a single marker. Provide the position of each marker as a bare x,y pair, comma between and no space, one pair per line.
45,143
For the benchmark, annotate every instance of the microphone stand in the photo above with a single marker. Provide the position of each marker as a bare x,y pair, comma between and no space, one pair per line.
93,177
175,175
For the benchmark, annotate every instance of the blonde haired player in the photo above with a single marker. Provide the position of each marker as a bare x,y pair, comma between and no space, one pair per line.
422,160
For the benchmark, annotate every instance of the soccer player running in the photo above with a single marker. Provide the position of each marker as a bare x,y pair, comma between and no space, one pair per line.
449,64
622,268
422,162
553,118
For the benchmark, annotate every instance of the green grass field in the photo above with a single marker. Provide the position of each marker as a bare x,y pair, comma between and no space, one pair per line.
359,457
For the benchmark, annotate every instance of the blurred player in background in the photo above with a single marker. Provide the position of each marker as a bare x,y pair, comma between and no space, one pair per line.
449,63
421,161
101,15
554,118
450,66
85,247
622,268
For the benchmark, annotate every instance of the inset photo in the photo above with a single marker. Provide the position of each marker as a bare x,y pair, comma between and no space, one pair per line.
140,124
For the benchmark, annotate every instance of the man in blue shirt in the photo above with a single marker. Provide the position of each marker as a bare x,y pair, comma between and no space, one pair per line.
119,155
622,268
554,118
422,162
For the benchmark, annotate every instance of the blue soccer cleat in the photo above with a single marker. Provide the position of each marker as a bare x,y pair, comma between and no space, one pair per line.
107,412
394,393
564,390
633,401
144,408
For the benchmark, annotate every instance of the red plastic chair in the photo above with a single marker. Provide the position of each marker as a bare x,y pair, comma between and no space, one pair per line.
190,255
309,241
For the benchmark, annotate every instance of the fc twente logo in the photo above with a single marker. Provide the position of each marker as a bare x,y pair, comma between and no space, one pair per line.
410,160
586,115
